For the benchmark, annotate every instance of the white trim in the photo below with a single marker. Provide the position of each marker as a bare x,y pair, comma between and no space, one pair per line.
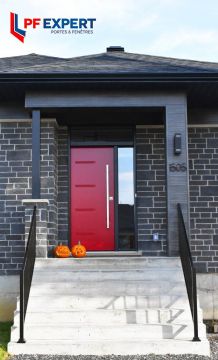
15,120
149,126
189,126
50,120
35,202
202,125
26,120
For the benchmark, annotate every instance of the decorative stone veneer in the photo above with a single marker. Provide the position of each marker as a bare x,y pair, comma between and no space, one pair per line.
151,195
15,185
203,163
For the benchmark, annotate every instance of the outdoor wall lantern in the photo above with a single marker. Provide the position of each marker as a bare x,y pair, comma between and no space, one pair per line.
177,144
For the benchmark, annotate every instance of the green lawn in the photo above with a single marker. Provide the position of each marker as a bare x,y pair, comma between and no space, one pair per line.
4,338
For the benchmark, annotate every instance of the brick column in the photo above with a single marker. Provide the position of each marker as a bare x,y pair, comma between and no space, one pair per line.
41,224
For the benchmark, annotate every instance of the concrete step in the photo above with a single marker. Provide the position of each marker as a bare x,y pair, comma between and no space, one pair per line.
100,332
115,347
73,302
107,305
72,275
140,316
110,262
109,288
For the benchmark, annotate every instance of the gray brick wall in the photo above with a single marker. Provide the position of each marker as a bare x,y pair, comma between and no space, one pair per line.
63,185
203,155
151,196
15,168
49,154
15,185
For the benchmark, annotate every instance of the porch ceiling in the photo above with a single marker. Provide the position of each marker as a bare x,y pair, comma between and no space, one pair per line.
107,116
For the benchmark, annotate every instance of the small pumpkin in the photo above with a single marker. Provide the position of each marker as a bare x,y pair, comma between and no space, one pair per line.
62,251
79,250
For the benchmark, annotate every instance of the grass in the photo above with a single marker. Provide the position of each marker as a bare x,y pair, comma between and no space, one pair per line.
5,328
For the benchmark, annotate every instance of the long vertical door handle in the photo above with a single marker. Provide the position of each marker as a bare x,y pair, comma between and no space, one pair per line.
107,198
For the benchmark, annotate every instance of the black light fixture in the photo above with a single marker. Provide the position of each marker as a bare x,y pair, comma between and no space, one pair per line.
177,144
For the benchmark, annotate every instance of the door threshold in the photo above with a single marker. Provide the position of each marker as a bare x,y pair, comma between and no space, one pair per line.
113,253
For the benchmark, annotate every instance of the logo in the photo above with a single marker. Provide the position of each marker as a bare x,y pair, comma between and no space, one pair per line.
55,25
18,33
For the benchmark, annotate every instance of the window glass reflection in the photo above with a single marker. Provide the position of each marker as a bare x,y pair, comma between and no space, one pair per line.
126,227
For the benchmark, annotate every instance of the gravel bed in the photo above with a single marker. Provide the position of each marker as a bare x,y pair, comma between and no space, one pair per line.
213,344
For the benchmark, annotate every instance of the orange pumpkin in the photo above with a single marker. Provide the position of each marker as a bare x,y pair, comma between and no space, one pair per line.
79,250
62,251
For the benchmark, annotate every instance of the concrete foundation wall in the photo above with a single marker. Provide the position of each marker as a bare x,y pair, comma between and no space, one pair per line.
9,289
208,295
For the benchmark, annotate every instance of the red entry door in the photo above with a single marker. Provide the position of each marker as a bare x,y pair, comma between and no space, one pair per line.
92,198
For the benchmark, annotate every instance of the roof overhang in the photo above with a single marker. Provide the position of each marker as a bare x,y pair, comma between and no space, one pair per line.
108,77
201,88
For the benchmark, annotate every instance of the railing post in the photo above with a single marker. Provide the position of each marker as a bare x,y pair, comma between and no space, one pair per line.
22,311
188,271
195,312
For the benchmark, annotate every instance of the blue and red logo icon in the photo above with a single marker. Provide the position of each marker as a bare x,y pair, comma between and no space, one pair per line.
14,29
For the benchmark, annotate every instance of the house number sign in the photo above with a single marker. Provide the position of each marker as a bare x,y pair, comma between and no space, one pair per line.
177,167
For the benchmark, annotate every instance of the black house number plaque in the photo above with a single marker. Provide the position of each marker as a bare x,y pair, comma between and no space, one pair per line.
177,167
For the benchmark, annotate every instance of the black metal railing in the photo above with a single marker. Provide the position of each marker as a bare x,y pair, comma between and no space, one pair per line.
26,274
188,270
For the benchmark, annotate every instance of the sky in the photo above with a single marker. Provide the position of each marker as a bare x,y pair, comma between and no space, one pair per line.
174,28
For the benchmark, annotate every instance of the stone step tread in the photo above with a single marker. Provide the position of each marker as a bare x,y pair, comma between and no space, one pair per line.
177,332
109,269
106,302
113,283
138,332
153,309
94,282
177,299
29,324
115,258
107,347
92,269
141,315
185,324
104,326
96,293
147,262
